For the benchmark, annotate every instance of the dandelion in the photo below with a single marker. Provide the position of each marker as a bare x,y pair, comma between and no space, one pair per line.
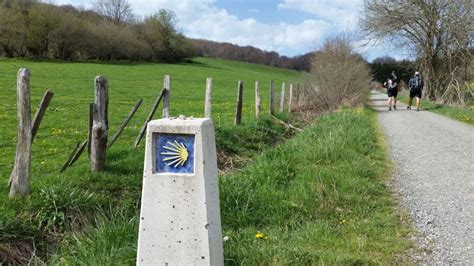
225,239
260,235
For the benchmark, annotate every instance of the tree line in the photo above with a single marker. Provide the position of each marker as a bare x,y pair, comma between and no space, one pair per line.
250,54
382,67
109,32
36,30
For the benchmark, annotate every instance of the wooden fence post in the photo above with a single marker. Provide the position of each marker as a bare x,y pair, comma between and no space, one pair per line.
150,116
74,156
208,100
290,99
257,100
99,125
300,94
124,123
238,114
282,97
20,177
89,132
48,95
70,157
166,97
272,98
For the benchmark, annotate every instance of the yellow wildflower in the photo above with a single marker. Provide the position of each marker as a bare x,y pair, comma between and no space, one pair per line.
260,235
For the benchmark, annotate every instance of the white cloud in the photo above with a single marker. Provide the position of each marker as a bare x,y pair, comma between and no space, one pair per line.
343,13
205,20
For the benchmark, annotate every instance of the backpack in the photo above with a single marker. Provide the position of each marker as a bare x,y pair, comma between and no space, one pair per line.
416,83
391,84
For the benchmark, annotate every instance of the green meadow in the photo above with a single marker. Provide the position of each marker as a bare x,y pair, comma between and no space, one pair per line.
66,120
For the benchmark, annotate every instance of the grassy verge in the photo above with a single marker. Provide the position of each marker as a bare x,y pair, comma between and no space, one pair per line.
318,198
93,215
463,114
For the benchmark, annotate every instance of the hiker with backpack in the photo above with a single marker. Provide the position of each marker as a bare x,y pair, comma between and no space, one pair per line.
392,91
415,84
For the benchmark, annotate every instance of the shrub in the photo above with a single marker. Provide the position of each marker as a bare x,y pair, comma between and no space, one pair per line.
338,76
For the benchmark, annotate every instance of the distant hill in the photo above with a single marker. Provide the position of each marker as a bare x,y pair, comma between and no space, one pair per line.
250,54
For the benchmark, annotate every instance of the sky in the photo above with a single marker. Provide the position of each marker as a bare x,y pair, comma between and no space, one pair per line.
289,27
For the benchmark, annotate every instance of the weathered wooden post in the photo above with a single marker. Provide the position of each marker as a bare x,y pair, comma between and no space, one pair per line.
290,99
272,98
20,178
166,96
208,100
124,123
282,97
100,125
238,114
89,132
180,215
36,122
48,95
257,100
301,94
149,117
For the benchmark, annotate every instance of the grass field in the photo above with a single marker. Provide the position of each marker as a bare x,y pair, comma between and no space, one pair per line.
66,123
317,198
463,114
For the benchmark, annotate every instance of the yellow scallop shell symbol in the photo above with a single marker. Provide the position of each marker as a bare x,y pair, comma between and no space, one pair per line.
177,154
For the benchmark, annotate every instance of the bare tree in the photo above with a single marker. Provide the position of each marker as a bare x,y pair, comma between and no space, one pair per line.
438,31
117,11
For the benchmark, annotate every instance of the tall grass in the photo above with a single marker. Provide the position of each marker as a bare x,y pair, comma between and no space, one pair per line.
319,198
112,241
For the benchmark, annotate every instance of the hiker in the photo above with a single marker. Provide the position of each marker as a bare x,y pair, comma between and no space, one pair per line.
396,84
392,91
415,84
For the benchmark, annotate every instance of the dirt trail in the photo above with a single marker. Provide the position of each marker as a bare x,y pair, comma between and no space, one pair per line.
434,176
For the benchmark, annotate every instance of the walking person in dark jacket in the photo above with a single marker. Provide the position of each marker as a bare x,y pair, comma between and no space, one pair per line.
396,85
392,91
416,86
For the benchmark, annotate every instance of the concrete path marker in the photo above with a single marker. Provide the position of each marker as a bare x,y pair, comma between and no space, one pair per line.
180,215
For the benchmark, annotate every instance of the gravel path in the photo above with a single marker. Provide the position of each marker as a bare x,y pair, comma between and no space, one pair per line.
434,176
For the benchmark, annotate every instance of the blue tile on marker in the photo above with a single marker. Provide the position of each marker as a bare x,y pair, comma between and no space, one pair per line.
175,153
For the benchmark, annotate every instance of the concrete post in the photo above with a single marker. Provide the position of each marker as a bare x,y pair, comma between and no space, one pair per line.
180,215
